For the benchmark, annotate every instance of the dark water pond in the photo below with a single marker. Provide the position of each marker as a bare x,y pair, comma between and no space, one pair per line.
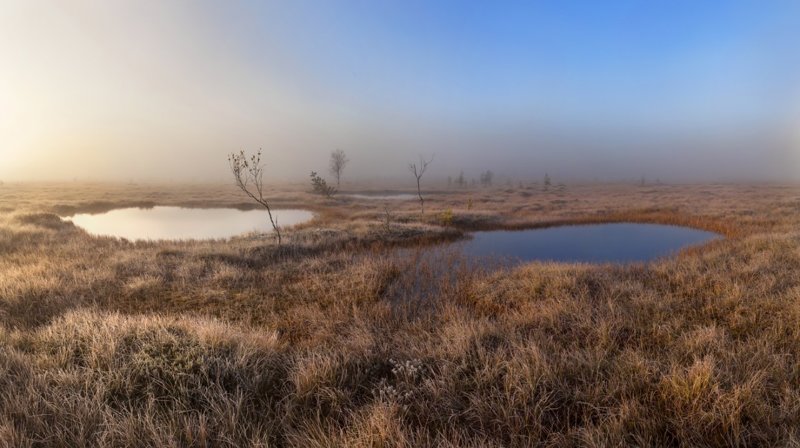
596,243
179,223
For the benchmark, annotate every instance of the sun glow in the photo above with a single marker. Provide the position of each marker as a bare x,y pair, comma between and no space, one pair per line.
133,89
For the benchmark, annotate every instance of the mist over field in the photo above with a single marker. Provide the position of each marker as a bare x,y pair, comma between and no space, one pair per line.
399,223
155,91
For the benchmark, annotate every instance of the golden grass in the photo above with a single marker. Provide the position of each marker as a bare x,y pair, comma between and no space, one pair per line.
331,340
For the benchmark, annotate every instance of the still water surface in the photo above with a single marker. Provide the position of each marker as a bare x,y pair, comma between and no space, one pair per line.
595,243
179,223
384,196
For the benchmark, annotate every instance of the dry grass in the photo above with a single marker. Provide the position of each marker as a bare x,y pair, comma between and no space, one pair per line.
333,341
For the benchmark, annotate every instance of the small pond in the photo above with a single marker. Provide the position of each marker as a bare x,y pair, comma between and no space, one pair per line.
595,243
384,196
179,223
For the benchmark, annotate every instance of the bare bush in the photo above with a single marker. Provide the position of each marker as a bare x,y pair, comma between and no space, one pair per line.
387,219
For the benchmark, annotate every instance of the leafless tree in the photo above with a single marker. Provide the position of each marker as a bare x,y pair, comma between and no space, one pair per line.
418,170
338,162
249,176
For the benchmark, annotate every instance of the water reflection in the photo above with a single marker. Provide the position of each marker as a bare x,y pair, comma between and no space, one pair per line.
176,223
596,243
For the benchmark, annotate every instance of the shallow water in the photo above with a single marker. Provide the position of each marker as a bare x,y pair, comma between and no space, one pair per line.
385,196
178,223
596,243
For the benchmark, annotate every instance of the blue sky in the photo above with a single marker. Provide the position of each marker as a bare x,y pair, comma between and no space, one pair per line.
586,88
589,61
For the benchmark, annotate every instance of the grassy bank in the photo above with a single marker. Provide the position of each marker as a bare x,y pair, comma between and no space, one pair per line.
330,340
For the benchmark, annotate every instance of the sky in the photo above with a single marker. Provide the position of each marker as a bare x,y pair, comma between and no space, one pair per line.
163,90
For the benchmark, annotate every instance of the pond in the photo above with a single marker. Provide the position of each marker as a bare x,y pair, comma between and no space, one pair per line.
180,223
595,243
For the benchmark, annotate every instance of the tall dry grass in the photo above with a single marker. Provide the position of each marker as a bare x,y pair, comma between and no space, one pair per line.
342,340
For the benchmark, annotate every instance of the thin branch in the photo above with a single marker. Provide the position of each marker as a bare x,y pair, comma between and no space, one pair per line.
246,172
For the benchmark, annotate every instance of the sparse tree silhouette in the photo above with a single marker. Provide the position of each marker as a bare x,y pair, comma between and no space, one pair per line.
249,177
418,170
460,179
547,181
486,178
320,186
338,161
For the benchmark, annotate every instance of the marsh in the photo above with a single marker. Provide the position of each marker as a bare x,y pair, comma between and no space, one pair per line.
313,224
326,340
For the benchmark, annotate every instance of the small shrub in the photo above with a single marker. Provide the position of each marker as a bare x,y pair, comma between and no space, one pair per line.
387,219
447,217
320,186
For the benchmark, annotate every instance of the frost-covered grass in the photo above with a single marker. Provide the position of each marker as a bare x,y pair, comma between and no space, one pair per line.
333,339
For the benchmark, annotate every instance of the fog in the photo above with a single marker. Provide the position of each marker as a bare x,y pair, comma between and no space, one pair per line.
163,91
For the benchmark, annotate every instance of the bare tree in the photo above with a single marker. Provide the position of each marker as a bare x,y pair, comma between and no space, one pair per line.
418,171
338,162
249,174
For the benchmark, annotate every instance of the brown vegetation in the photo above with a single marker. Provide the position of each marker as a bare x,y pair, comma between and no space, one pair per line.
336,339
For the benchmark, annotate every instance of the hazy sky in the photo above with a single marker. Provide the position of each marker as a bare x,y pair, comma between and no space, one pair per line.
163,90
